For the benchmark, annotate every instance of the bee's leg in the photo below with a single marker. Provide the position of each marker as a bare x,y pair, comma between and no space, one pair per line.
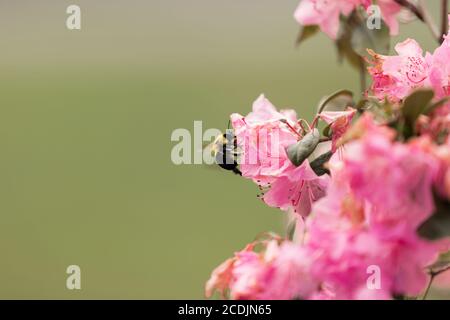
237,171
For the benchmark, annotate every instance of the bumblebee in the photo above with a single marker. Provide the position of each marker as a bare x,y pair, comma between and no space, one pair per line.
225,151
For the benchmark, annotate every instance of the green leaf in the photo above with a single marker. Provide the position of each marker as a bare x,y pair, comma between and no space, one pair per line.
326,132
318,164
344,46
301,150
337,101
416,104
363,38
305,33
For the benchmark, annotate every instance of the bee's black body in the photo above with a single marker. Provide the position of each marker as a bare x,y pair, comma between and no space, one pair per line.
225,148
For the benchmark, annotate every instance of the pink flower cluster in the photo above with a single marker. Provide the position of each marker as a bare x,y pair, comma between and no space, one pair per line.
326,13
357,226
380,192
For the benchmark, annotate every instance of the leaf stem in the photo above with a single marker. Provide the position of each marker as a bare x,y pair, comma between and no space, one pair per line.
411,7
433,274
428,287
438,272
421,12
362,75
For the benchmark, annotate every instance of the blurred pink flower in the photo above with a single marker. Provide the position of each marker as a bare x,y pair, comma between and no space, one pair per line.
346,244
324,13
278,272
440,70
441,154
394,178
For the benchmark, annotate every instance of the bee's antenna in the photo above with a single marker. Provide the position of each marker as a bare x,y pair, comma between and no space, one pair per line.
229,123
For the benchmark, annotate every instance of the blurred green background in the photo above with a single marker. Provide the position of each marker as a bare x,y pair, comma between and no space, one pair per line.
85,123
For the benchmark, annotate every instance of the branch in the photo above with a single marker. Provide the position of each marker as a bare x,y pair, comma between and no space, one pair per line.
362,76
411,7
427,290
444,26
438,271
423,15
428,19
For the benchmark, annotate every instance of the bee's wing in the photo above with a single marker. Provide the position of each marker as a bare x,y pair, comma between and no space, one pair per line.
210,147
213,145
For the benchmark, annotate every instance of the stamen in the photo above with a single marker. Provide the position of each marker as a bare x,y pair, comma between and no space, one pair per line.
291,127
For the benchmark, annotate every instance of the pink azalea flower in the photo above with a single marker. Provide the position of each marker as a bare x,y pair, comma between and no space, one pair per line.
297,189
279,272
440,70
395,77
339,122
263,139
220,279
280,275
345,259
324,13
346,245
437,125
441,154
443,176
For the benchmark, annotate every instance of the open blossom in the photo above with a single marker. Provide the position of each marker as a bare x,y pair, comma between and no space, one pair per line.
395,77
264,135
263,139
